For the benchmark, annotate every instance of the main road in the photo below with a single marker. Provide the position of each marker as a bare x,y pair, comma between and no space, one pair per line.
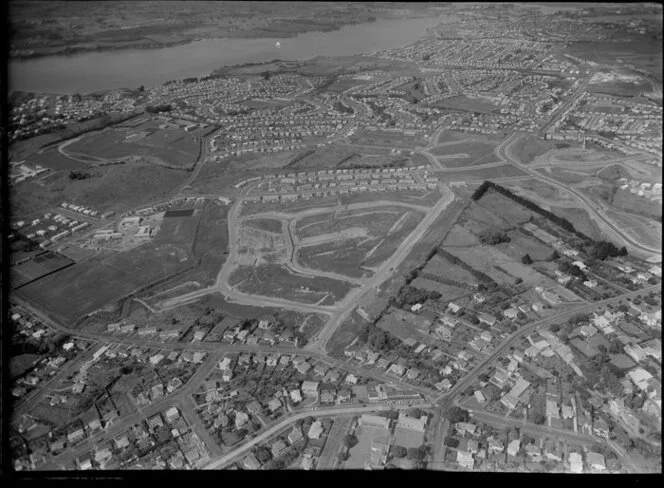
503,153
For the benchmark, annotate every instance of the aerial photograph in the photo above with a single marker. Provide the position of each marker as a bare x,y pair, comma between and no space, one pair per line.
333,236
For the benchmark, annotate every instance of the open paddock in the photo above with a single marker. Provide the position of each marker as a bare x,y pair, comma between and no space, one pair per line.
399,325
564,176
487,259
386,138
581,220
449,292
502,206
438,266
520,244
465,153
646,231
459,235
52,158
481,174
529,147
171,145
267,225
467,104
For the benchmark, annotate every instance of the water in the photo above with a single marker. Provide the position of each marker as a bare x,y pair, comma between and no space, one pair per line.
90,72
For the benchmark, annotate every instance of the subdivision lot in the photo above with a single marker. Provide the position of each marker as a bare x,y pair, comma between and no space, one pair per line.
88,286
505,208
459,235
405,325
440,267
277,281
267,225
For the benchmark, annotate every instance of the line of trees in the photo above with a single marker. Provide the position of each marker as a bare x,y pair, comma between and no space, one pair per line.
595,249
462,264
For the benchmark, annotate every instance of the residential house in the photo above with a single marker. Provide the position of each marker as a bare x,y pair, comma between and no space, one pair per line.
295,395
250,462
575,462
513,447
310,388
316,430
295,435
465,459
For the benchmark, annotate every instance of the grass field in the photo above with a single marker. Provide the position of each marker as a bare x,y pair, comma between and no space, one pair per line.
520,244
114,187
439,266
53,159
277,281
539,191
77,290
268,225
171,145
581,221
39,266
449,292
467,104
386,138
485,259
501,206
405,325
646,231
564,176
465,153
460,236
502,171
528,147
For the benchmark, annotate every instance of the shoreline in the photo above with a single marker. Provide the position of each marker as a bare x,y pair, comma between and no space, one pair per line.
75,50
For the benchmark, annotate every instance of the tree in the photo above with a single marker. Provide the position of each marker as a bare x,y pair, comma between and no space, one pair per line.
455,414
526,259
451,442
539,419
399,451
415,453
553,256
350,441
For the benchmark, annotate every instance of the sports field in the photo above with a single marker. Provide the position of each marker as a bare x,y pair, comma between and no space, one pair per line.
40,265
88,286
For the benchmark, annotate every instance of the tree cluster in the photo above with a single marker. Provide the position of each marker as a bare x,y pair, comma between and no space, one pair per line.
493,237
409,295
601,250
154,109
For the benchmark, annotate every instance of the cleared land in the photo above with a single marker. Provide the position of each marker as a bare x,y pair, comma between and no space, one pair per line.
171,144
386,138
40,265
481,174
528,147
278,281
465,153
114,187
267,225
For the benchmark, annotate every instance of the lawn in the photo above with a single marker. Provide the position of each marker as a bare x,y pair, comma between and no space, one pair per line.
400,325
449,292
408,438
386,138
460,236
361,452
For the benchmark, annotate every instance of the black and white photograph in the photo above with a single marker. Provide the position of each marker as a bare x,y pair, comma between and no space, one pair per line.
332,236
